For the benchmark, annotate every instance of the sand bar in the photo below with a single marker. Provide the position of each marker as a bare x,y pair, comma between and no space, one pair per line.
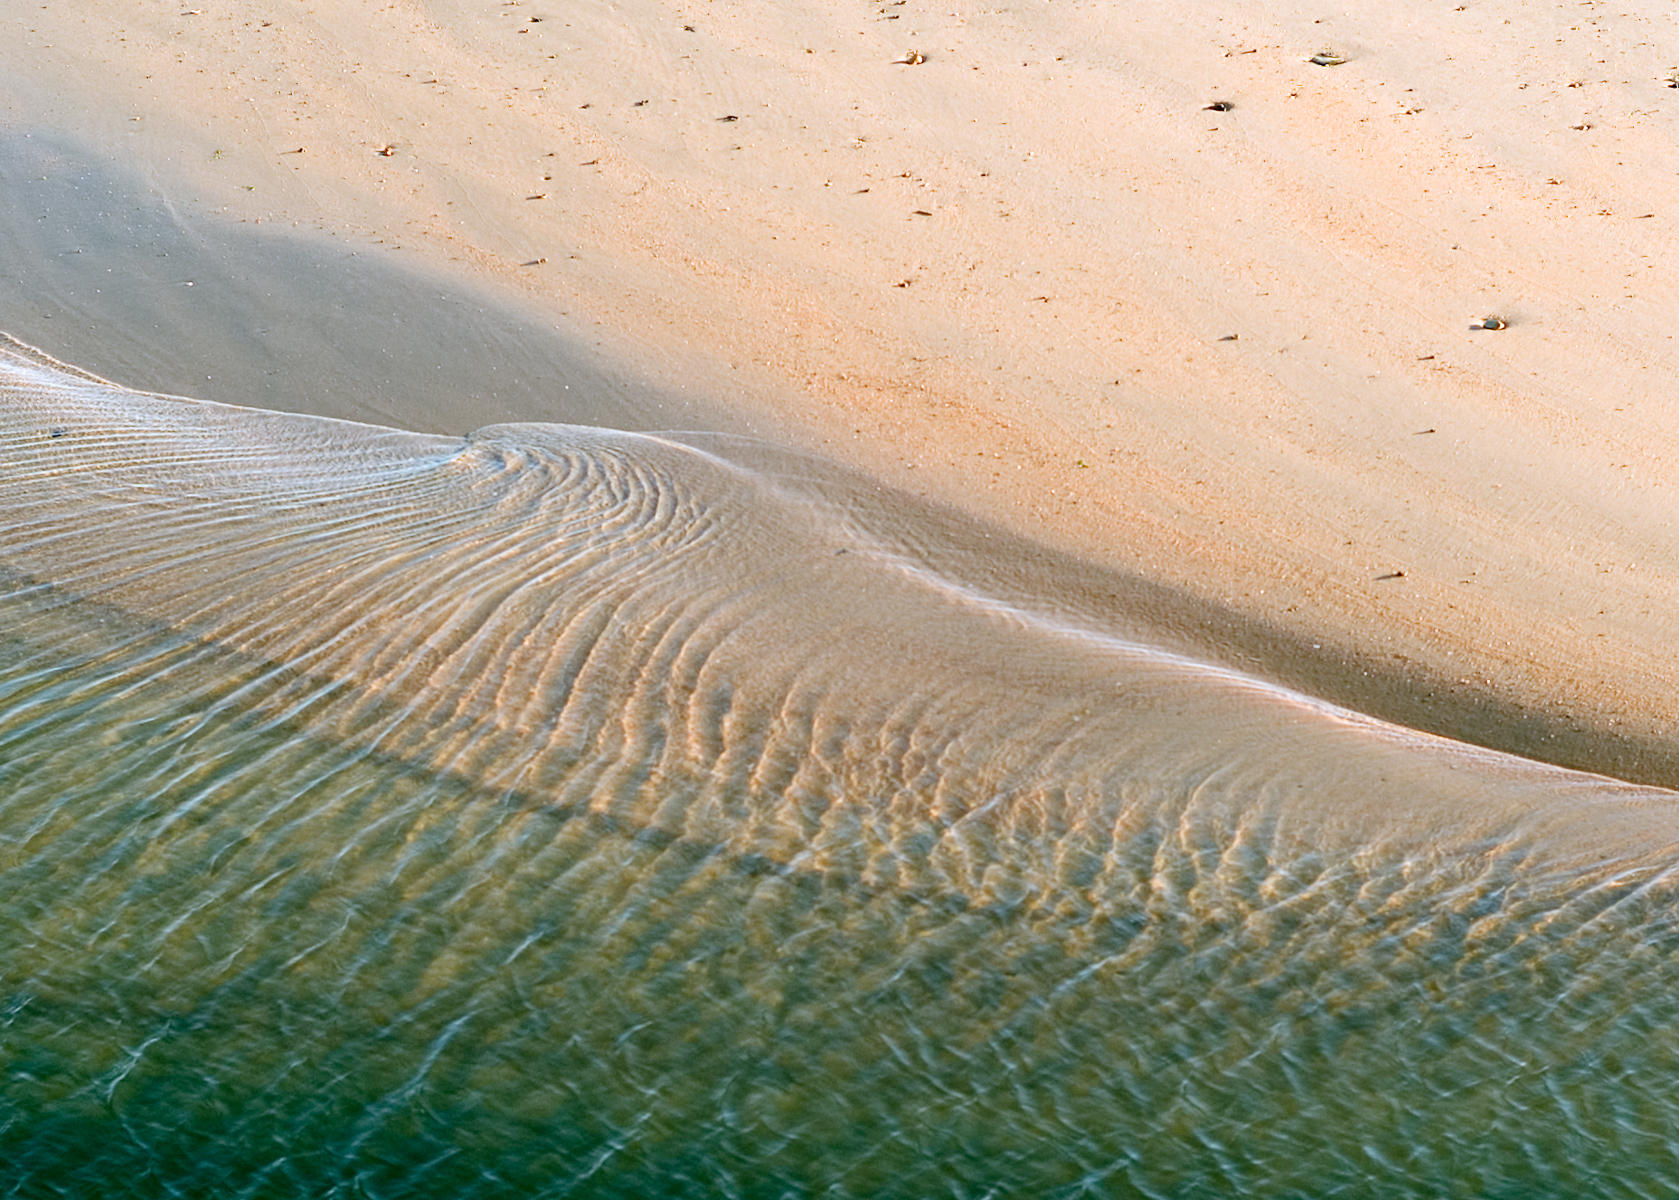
1033,275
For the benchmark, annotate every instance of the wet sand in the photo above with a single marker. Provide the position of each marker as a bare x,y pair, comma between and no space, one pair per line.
127,283
961,759
1231,354
563,808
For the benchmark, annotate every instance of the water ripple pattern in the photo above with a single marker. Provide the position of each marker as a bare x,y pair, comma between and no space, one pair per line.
562,812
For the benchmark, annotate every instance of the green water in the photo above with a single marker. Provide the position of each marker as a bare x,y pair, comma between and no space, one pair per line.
565,813
239,960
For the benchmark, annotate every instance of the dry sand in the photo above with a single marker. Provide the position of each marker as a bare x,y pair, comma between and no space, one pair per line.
1035,277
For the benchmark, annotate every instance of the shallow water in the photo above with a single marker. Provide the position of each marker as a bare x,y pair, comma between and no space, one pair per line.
563,812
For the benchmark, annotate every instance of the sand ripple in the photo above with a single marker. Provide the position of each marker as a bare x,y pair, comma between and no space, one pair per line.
561,808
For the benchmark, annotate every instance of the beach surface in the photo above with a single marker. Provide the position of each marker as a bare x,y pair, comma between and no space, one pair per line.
559,809
1144,285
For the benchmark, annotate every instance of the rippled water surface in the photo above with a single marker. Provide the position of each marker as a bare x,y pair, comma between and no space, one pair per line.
556,812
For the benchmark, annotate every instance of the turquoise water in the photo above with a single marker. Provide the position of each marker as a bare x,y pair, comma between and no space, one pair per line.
563,813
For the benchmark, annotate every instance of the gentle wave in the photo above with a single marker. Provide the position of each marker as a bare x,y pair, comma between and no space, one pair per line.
563,811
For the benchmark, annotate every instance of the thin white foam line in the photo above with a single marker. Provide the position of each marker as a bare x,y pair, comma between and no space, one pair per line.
62,380
925,576
967,594
1404,734
964,593
970,595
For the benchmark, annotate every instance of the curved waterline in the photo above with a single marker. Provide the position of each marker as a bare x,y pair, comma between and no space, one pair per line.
561,811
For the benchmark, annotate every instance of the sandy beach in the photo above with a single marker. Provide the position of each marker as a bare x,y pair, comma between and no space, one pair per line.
1141,284
863,600
563,809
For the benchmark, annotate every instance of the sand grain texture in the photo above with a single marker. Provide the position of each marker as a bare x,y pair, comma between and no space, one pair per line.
1005,276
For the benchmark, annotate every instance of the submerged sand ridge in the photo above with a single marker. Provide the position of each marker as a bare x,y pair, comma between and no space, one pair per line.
493,590
556,807
1479,516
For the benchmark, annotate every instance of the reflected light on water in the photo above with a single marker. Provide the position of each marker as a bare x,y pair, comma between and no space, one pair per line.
566,812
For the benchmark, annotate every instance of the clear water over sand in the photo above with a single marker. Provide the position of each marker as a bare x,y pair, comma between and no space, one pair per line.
558,811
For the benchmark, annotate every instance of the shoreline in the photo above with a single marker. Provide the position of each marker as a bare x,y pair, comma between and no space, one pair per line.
1461,529
1009,571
